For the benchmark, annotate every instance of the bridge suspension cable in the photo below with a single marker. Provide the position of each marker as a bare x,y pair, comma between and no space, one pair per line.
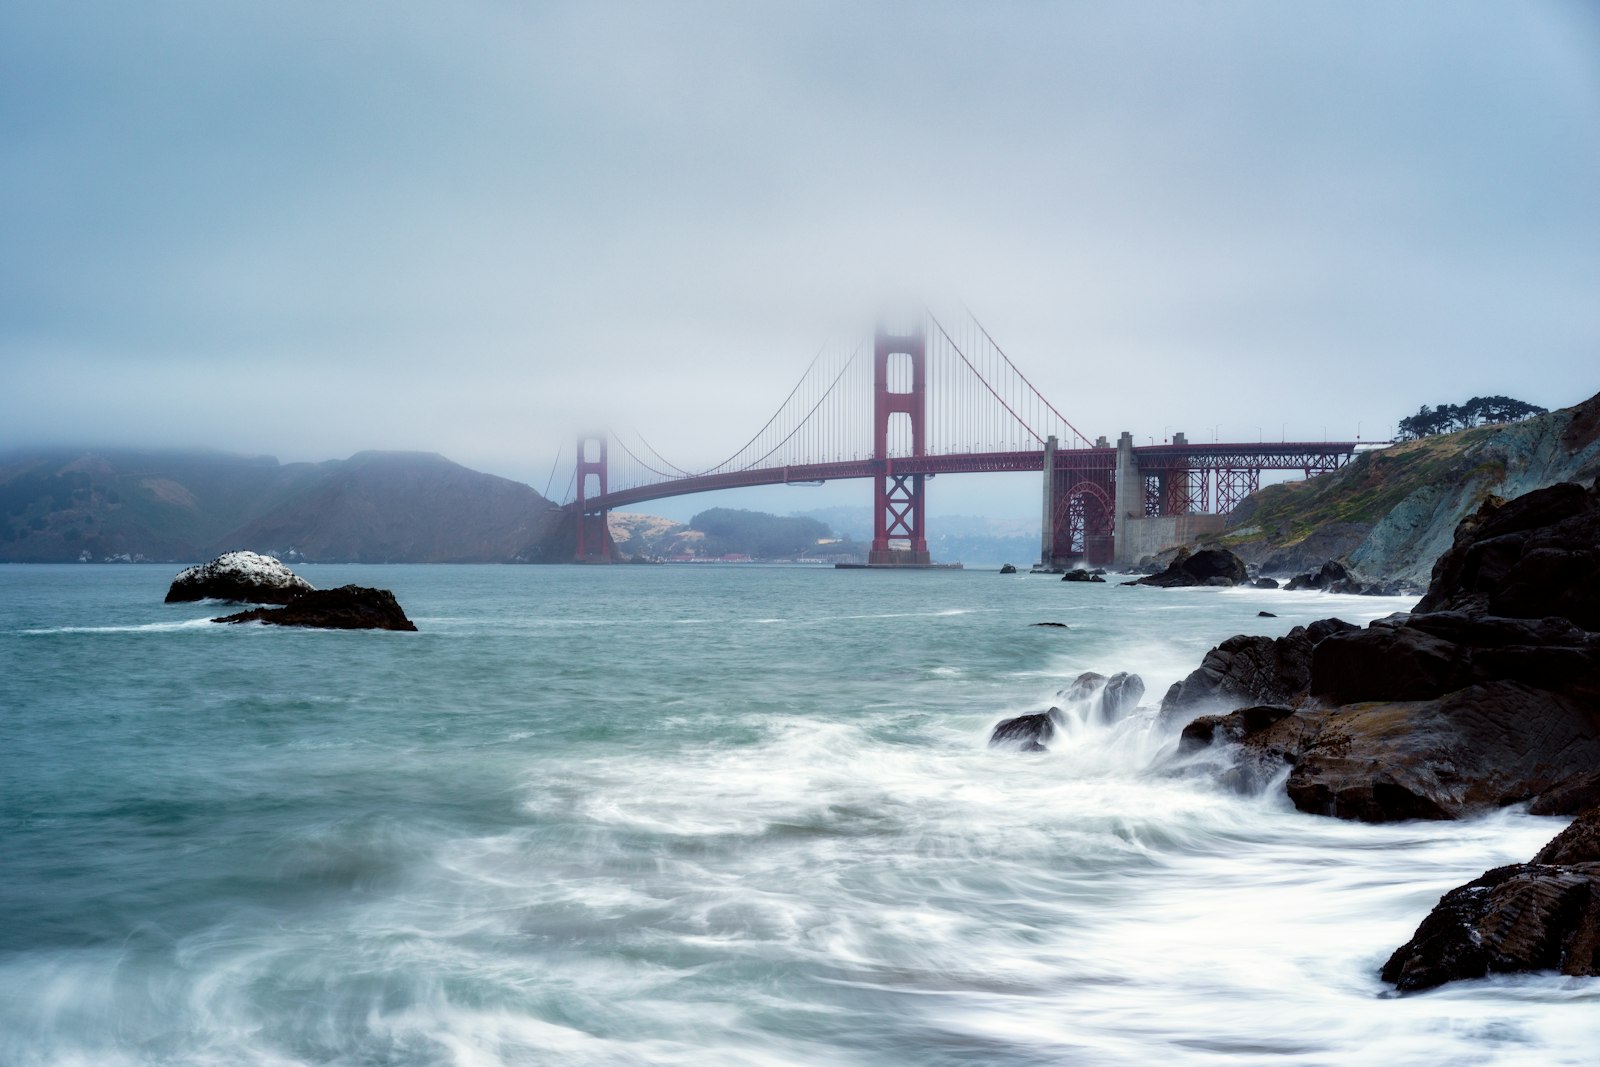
977,401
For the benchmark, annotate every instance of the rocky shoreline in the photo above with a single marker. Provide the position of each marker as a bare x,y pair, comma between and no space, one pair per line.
1487,695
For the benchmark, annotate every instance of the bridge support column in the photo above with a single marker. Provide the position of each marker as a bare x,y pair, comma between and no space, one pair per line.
1047,521
898,505
594,537
1128,500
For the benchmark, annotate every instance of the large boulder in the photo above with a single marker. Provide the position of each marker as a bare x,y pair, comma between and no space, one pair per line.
1538,916
349,607
1210,566
1528,558
246,577
1253,670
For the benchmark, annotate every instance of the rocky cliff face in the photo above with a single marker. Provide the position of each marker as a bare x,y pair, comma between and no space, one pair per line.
1391,513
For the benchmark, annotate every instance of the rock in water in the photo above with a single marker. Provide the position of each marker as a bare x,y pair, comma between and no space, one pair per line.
1538,916
1199,568
1106,699
1027,732
1008,569
1080,575
349,607
241,576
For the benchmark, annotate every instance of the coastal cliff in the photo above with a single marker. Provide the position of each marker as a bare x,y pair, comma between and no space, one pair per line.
1391,513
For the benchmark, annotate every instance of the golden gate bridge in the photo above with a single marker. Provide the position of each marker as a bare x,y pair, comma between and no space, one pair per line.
920,400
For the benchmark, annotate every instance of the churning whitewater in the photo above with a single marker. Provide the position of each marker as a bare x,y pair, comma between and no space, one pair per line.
708,815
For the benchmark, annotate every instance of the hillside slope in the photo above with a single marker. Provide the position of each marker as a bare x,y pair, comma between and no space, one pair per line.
183,506
1391,513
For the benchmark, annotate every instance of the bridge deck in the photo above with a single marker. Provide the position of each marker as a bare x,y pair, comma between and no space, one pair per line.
1283,455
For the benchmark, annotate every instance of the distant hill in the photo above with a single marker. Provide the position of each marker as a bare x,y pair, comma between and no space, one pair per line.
182,506
1391,513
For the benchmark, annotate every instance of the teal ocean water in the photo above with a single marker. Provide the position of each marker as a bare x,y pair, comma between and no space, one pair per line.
689,815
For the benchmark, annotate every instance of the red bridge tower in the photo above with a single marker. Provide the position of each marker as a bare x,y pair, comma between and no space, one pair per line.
594,539
898,498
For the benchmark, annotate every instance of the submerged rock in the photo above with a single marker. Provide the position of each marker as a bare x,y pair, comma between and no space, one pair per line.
1080,575
1055,625
1543,915
1211,566
247,577
349,607
1028,733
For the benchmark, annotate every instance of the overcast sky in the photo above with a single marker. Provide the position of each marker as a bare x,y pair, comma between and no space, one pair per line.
471,228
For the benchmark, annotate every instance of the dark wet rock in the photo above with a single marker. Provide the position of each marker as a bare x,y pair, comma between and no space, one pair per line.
1481,747
1232,727
1386,663
1081,576
349,607
1538,916
1532,557
1426,656
1265,739
1265,583
1574,793
1265,615
1056,625
1578,843
1253,670
1008,569
1484,746
1199,568
245,577
1027,732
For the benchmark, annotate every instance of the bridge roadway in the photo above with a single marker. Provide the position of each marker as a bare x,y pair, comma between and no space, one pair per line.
1309,456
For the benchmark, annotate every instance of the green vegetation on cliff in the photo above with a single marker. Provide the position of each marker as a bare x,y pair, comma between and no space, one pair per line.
1391,512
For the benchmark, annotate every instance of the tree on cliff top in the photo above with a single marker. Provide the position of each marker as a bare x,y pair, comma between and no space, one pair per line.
1447,418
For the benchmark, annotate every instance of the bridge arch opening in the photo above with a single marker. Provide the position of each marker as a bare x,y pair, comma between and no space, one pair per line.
899,373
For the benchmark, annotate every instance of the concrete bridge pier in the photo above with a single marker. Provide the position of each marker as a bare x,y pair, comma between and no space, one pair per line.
1138,532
